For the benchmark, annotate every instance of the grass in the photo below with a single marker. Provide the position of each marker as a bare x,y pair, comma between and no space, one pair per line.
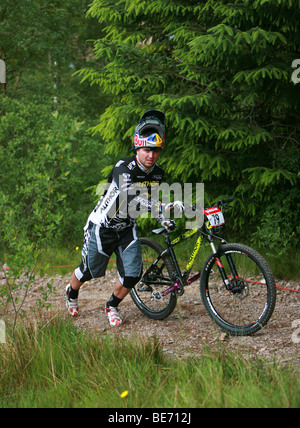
52,258
286,267
61,261
53,365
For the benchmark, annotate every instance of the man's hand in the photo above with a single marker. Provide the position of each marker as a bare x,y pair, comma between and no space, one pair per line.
169,225
176,206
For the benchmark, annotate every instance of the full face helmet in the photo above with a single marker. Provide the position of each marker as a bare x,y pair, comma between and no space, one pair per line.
150,131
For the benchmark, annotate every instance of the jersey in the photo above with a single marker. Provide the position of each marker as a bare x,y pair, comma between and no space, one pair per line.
130,191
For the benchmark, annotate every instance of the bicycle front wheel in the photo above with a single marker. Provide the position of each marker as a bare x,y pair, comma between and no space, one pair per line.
250,301
147,294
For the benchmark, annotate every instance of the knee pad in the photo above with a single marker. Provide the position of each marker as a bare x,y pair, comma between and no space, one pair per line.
131,281
83,275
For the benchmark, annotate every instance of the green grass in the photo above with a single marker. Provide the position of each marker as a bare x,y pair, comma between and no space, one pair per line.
52,258
286,267
61,261
53,365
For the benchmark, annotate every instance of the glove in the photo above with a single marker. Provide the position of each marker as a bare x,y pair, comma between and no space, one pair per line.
169,225
175,206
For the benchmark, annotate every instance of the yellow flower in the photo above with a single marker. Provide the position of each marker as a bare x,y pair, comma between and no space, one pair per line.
77,248
124,394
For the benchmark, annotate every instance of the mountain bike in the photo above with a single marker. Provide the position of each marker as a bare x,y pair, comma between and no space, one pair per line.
237,286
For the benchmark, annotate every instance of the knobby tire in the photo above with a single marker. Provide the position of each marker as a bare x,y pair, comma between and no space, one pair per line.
249,305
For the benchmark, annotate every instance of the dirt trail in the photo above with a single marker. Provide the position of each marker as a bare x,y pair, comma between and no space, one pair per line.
188,329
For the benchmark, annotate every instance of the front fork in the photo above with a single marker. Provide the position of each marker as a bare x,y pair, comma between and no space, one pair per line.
221,267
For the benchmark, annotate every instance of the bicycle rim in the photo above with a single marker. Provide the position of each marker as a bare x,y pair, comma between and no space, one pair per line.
147,294
249,304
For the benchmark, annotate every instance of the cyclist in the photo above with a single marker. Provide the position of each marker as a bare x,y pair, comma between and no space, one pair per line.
110,226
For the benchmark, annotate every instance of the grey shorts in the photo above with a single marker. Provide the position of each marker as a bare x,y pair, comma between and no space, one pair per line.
99,245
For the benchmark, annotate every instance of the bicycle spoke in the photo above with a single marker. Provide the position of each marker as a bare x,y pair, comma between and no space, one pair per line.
250,300
148,294
154,282
245,304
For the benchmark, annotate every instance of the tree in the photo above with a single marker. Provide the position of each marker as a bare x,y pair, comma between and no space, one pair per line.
42,44
221,71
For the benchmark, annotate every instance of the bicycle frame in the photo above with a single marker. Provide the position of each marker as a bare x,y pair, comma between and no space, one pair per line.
223,291
182,279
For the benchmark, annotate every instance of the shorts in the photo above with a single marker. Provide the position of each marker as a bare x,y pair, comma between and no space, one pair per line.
100,243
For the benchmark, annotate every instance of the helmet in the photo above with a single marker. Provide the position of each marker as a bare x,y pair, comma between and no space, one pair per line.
150,131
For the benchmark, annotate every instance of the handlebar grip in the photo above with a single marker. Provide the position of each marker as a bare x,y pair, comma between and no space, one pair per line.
223,202
226,201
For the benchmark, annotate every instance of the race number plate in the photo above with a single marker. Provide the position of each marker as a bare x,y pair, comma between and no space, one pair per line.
215,216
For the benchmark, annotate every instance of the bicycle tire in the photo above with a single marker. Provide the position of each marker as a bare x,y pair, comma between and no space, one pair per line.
146,294
249,306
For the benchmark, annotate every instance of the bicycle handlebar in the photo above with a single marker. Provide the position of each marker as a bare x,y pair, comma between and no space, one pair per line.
221,202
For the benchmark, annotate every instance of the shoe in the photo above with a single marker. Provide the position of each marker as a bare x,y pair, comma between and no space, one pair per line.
71,304
113,316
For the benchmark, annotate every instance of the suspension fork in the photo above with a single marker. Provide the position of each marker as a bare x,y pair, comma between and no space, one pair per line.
220,265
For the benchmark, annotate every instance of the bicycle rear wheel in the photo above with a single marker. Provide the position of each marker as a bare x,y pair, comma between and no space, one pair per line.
156,279
250,302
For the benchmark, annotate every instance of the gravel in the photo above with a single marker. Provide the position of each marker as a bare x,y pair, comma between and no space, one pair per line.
188,330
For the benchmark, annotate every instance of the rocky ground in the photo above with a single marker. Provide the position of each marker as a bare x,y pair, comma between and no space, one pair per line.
188,330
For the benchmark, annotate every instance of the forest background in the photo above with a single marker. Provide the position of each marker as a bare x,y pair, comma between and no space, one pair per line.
80,74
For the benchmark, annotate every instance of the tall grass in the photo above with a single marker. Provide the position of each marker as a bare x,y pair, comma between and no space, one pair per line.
54,365
284,267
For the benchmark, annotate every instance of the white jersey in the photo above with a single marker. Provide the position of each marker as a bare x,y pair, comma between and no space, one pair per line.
128,194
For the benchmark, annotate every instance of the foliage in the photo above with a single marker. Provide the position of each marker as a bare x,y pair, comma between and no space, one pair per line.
47,157
279,227
49,43
221,71
36,161
36,153
73,369
45,113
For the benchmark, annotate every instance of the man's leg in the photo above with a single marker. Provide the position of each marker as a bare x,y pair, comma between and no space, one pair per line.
111,309
82,273
75,283
120,291
71,295
129,265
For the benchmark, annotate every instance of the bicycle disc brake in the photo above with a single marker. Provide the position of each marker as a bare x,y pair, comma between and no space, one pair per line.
156,295
239,288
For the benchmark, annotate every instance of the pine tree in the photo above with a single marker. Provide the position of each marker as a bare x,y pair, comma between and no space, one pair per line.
221,71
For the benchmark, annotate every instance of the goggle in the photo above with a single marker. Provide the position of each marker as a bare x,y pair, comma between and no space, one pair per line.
153,140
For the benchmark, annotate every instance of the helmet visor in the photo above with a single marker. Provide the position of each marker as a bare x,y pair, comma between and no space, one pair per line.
153,140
